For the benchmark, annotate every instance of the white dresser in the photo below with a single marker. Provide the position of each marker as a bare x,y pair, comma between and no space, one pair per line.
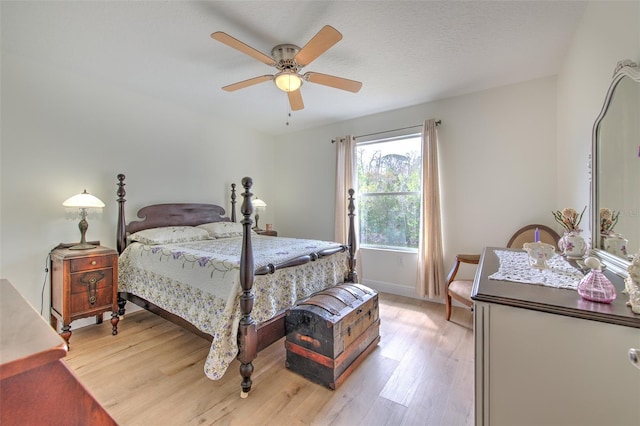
545,356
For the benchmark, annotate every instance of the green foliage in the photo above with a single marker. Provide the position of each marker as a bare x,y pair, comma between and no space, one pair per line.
389,195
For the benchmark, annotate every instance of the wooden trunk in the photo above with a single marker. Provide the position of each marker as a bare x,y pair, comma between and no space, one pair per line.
330,333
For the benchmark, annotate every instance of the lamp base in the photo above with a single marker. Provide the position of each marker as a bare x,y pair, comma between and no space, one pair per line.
83,246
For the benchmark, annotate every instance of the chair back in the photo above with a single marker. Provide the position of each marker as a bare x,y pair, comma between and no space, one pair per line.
526,234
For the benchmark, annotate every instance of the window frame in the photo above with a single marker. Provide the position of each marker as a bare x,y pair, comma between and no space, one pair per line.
373,140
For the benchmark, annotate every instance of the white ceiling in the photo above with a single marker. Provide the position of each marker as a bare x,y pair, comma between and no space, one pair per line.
404,52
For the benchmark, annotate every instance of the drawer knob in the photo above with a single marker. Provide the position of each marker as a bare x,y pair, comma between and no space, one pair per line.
94,263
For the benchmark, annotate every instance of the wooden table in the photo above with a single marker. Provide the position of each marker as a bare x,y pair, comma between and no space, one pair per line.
36,386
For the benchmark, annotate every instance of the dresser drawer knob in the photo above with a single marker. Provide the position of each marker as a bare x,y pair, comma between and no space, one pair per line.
94,263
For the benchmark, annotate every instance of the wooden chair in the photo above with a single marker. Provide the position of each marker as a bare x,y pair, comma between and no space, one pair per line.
460,290
526,235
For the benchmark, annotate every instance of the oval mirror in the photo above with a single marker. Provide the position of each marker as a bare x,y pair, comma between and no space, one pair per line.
615,206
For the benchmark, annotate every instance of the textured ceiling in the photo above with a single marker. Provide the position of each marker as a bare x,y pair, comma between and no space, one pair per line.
405,53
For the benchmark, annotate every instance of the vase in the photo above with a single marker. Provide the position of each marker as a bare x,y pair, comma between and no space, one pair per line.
572,245
615,244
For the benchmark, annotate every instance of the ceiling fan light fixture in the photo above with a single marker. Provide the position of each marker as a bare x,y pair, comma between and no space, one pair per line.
288,81
289,59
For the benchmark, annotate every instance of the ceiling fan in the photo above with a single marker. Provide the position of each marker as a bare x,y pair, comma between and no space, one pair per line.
289,59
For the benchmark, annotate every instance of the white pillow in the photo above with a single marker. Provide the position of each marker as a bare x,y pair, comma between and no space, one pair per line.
222,229
170,234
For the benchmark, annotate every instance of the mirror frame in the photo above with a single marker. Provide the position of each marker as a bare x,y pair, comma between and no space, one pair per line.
625,68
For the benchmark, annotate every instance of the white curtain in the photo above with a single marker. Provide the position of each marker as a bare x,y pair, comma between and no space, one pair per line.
431,273
345,180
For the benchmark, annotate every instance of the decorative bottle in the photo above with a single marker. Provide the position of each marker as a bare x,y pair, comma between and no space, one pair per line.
595,286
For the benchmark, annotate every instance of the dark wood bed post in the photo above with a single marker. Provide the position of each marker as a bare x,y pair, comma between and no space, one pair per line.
233,202
247,331
120,233
351,241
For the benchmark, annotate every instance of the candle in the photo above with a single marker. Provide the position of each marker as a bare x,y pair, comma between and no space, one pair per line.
537,235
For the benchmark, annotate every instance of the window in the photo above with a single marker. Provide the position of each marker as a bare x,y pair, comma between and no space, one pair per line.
389,179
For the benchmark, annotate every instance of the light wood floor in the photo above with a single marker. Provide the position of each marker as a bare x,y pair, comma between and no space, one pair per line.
152,373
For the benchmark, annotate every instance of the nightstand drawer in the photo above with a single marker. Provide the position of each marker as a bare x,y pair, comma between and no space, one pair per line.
93,280
82,302
95,262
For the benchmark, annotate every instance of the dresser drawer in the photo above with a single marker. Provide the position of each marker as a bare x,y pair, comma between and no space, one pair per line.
94,280
95,262
82,302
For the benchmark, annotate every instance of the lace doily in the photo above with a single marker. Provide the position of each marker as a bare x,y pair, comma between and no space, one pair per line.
514,266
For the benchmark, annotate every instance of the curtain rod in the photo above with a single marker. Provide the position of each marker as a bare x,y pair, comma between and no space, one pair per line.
438,122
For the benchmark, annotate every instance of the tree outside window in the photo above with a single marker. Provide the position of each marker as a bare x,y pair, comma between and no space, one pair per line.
389,180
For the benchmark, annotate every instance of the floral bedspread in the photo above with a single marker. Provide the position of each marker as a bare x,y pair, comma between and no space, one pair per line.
200,282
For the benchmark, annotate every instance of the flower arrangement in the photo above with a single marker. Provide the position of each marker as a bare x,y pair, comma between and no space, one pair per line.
569,219
608,219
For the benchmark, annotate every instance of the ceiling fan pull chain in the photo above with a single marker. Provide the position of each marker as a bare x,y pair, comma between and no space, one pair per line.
288,112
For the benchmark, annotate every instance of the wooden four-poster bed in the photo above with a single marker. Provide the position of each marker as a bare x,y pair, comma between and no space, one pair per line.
218,300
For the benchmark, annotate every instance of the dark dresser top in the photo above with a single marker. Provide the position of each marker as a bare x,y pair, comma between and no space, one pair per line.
548,299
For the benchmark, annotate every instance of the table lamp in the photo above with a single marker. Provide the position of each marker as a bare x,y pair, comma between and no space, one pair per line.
83,202
259,205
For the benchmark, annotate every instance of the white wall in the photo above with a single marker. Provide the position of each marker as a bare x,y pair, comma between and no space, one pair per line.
608,33
63,132
496,175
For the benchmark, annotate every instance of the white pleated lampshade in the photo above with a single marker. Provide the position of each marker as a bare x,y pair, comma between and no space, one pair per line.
84,200
259,203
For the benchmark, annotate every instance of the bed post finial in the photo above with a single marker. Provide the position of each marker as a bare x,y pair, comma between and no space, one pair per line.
351,241
247,332
233,202
121,231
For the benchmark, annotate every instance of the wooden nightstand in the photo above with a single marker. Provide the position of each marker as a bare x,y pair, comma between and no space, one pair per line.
84,283
269,233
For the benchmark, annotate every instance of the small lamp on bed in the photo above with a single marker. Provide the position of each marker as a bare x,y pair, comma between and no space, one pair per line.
83,204
259,205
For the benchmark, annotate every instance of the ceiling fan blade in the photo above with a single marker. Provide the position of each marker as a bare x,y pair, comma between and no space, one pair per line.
295,100
333,81
320,43
244,48
247,83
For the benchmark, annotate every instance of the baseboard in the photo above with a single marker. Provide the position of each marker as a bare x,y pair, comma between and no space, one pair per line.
391,288
401,290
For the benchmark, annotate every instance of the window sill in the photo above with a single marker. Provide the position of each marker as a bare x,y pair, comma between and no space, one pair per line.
390,249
